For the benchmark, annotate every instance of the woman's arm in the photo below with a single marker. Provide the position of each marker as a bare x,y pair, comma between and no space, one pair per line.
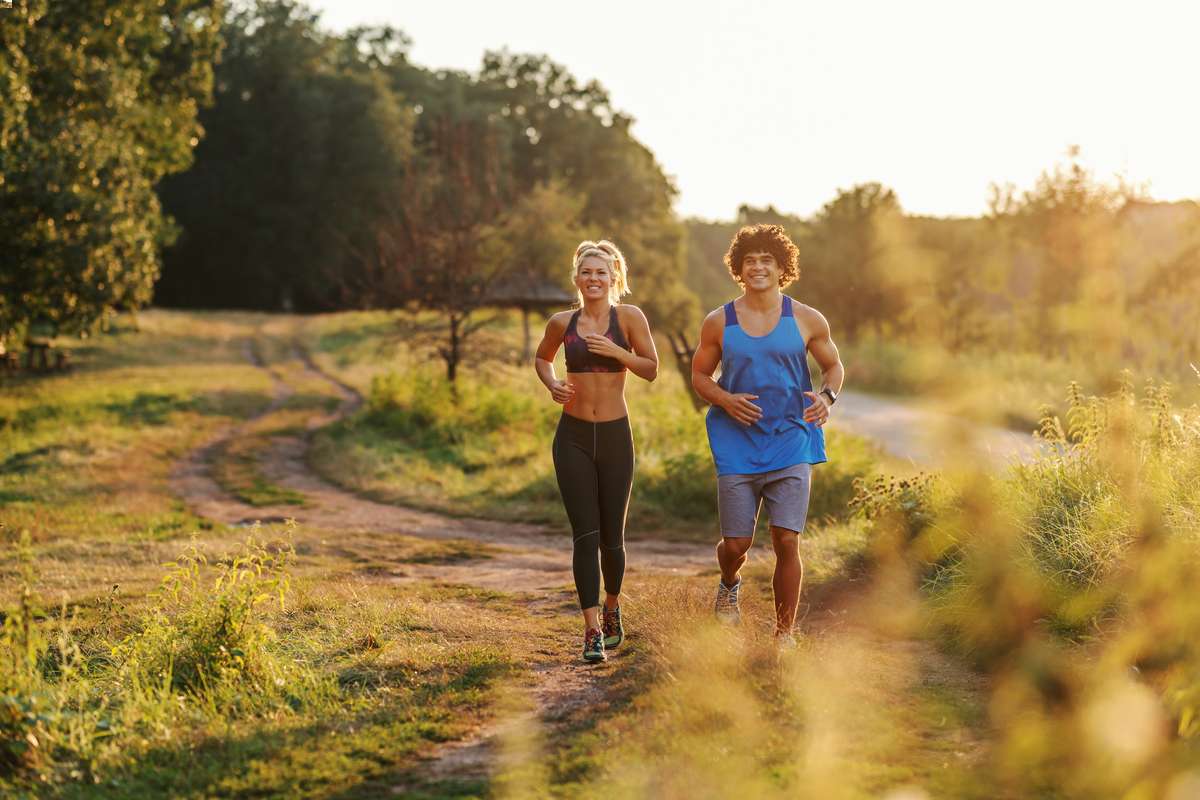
543,360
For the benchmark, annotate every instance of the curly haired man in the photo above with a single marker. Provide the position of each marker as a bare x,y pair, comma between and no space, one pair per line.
765,423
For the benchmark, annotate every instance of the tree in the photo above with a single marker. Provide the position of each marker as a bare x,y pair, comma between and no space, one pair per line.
561,129
429,252
853,243
100,103
306,143
1065,236
535,238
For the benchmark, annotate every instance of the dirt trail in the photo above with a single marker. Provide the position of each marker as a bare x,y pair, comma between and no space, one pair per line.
925,436
532,558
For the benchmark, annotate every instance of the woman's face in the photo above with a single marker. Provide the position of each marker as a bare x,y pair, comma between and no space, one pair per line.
593,278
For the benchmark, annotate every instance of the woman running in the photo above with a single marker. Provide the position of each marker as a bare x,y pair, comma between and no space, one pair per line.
593,446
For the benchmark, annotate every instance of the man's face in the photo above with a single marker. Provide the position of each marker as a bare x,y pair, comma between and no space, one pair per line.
760,271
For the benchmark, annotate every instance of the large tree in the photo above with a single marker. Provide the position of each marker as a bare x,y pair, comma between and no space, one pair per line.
306,144
565,130
99,104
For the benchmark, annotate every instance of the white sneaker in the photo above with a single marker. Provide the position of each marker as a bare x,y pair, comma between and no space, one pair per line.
726,607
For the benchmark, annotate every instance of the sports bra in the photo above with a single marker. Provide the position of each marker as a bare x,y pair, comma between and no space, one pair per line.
580,359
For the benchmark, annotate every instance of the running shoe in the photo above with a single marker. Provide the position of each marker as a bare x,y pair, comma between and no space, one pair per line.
726,607
786,642
593,646
614,632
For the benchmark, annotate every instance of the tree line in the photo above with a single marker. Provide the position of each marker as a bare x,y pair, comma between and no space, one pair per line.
335,173
1072,265
241,156
259,161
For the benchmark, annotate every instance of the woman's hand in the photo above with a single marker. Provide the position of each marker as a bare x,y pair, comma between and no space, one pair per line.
562,392
818,412
603,346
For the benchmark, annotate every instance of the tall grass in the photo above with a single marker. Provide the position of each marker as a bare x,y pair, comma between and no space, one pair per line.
1070,582
76,704
1029,634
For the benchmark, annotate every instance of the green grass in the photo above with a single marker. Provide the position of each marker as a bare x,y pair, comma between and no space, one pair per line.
88,453
132,687
967,635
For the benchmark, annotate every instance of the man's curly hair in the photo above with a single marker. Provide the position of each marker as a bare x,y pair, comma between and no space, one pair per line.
771,239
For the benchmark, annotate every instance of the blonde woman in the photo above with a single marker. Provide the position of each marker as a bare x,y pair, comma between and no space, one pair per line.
593,446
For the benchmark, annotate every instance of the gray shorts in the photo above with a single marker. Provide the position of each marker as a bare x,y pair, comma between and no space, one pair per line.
783,491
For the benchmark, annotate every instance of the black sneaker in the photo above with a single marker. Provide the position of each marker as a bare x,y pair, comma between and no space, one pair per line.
593,646
614,633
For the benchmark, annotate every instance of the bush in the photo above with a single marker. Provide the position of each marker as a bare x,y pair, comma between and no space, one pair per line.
201,650
205,635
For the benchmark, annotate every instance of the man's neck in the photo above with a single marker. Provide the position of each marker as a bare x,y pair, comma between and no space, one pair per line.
765,300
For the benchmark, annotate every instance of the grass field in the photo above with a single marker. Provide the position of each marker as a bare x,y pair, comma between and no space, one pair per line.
966,635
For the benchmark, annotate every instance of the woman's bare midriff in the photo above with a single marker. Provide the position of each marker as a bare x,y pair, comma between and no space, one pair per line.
599,396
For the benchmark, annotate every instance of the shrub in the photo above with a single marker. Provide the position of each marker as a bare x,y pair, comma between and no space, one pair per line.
204,636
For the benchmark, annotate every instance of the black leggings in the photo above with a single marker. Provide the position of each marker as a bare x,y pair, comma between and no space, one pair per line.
593,462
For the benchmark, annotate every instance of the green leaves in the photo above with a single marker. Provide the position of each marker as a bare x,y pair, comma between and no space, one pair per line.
98,106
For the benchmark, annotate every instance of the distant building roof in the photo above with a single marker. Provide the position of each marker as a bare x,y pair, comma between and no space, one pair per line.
536,292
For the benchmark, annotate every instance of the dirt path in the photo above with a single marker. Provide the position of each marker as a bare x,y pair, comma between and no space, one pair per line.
532,558
924,436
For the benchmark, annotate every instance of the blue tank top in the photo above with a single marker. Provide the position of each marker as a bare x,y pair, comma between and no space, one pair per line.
774,367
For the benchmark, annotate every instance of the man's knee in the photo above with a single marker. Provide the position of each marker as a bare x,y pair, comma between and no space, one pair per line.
737,546
786,542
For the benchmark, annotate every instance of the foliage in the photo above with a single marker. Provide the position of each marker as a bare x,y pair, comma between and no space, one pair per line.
305,142
205,634
99,104
854,237
1066,581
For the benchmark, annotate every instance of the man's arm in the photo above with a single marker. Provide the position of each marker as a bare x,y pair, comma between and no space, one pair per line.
704,363
825,352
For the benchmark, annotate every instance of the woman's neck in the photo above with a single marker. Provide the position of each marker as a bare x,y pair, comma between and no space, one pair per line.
596,309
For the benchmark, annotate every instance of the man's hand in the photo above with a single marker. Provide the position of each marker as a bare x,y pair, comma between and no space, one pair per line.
562,392
818,412
740,408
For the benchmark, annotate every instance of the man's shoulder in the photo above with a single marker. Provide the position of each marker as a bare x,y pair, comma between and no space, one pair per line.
808,314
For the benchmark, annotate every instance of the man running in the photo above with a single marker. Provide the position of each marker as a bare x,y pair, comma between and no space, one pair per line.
764,426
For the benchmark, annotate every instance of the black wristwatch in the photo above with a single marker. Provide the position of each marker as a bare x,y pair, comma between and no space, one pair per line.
830,393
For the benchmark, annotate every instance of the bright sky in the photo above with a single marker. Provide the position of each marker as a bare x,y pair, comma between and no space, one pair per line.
773,102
